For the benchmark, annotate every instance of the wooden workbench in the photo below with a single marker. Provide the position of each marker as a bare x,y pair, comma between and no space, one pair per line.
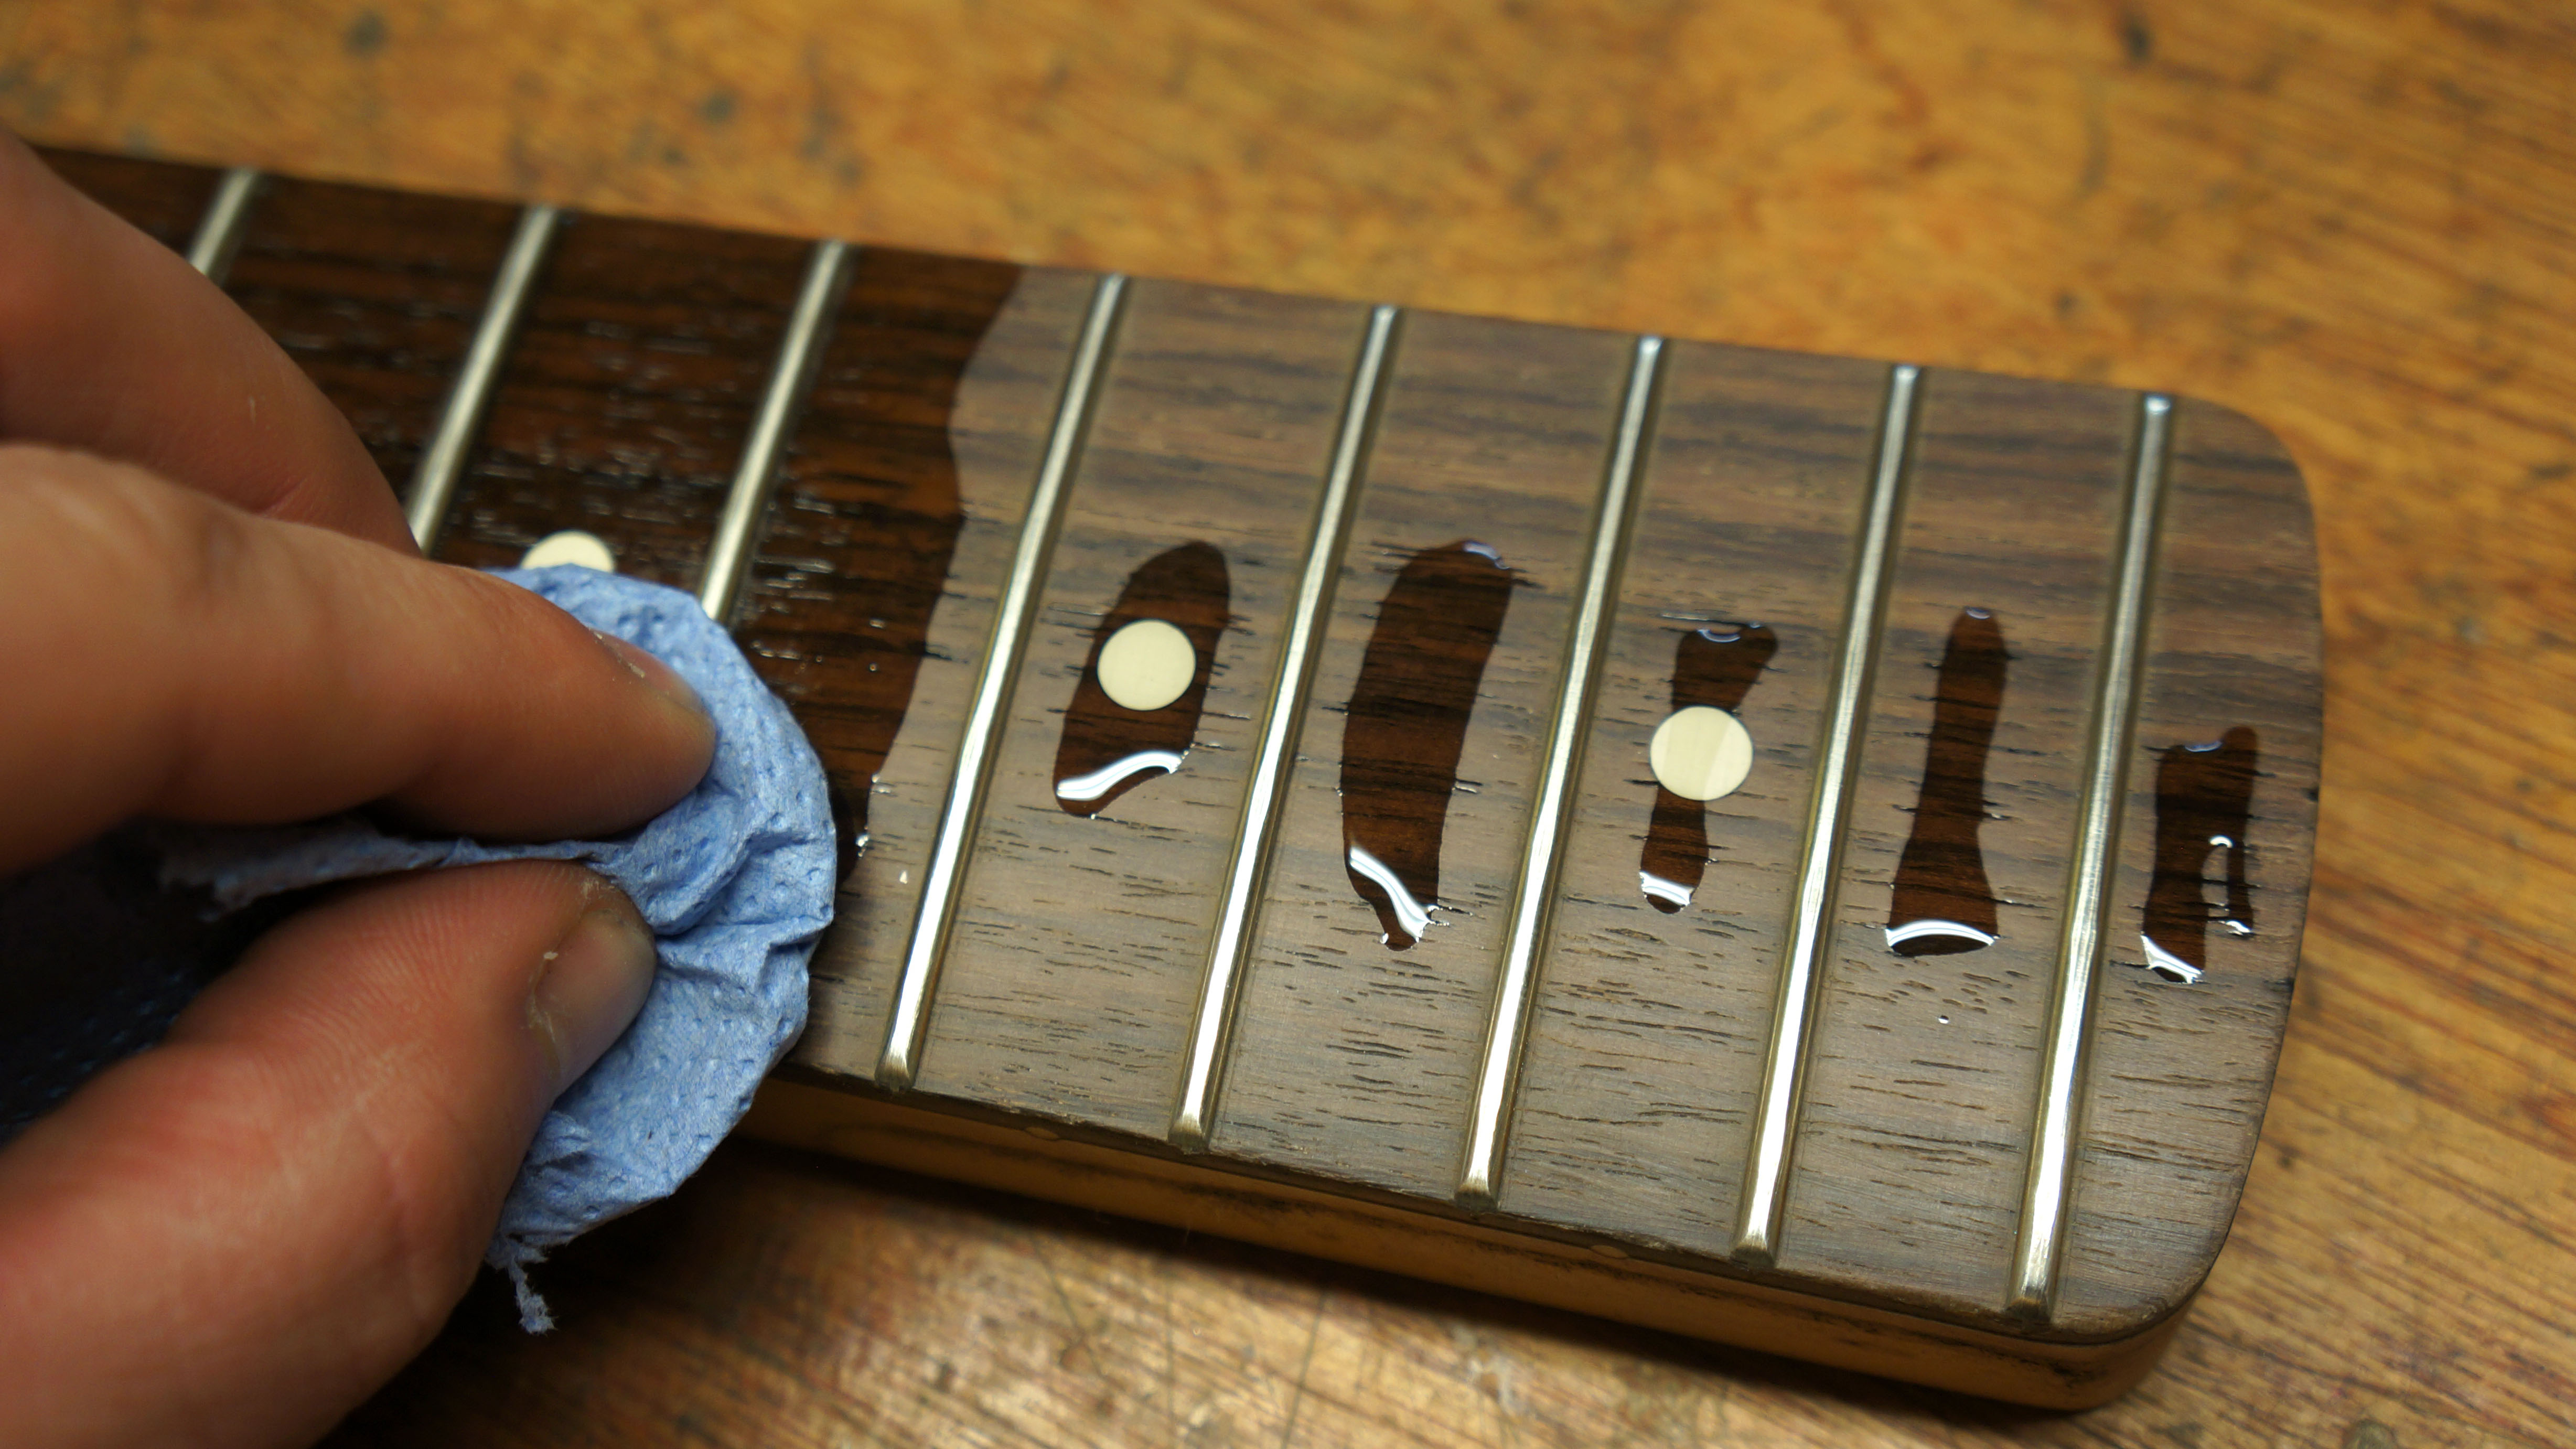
2356,222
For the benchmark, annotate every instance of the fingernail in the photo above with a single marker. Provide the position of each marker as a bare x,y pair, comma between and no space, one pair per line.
592,984
665,680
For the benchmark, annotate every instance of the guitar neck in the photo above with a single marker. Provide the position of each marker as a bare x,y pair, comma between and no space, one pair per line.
1811,831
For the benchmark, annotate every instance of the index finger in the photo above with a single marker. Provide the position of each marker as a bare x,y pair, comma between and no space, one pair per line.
112,344
174,656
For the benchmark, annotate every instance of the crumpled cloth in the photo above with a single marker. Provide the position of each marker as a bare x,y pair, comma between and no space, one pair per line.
736,880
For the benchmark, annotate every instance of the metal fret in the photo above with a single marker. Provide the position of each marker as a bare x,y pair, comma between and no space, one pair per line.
800,352
1247,869
2040,1244
1766,1175
219,233
1614,519
433,481
1012,618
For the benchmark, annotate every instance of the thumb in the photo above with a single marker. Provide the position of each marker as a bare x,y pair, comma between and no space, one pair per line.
234,1237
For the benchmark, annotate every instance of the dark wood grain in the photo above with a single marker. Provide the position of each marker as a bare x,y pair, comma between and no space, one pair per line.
866,511
376,294
624,404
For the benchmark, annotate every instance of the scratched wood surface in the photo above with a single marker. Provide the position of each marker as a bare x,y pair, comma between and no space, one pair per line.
2351,224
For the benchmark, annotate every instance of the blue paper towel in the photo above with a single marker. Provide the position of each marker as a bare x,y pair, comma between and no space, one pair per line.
736,882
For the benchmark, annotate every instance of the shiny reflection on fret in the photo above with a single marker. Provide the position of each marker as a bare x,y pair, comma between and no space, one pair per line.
2040,1243
1766,1174
1193,1116
1013,615
219,234
433,482
799,353
1614,518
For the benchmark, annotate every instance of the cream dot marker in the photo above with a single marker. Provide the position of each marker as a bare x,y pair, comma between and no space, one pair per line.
1700,753
1147,664
572,546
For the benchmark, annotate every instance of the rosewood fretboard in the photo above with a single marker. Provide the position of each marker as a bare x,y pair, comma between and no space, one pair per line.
1944,1031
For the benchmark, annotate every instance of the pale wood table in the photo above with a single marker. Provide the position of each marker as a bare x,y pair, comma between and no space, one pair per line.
2353,221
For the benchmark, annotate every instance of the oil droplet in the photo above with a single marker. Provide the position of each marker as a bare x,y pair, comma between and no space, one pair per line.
1700,753
572,546
1146,665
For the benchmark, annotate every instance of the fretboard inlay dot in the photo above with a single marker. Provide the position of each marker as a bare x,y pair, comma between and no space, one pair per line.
1146,665
1700,753
570,546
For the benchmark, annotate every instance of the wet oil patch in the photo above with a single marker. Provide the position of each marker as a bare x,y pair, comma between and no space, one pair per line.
2204,801
1407,724
1943,904
1713,668
1108,749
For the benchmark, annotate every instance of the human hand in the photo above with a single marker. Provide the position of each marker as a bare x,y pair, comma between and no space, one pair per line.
214,613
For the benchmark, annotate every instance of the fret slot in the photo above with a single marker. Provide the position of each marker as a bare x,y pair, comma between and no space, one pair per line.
1352,1059
943,874
1069,980
219,235
799,353
1644,1056
1283,711
1533,899
870,594
1838,764
1922,1069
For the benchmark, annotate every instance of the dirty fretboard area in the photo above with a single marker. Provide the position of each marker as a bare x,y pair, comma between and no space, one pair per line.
1832,823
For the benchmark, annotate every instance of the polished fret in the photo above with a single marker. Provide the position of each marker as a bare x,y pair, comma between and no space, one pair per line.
1080,935
1587,642
2040,1241
1757,1227
1292,680
219,235
800,352
1012,617
433,483
1359,1015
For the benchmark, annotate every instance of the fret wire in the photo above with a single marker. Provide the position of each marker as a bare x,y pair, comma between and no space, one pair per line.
1614,520
219,233
1247,869
2040,1242
1838,757
433,479
1013,615
800,353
